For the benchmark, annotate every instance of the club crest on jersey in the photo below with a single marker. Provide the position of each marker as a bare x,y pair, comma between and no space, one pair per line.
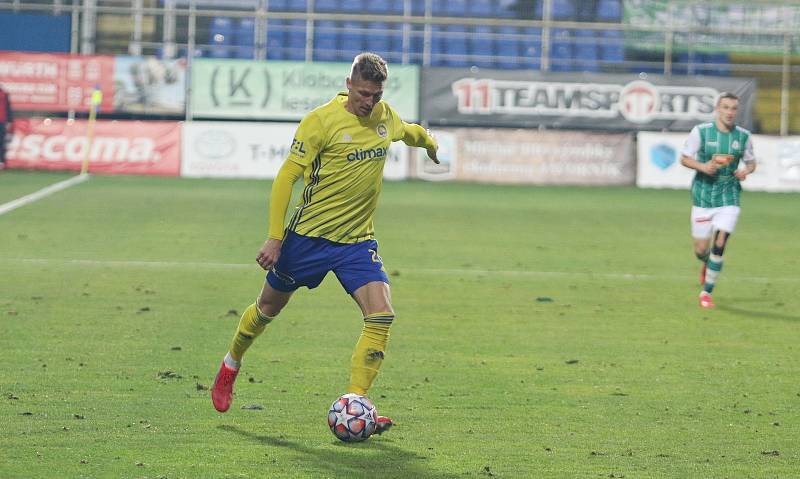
382,130
735,145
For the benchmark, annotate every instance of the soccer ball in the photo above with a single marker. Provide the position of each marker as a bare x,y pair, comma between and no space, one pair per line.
352,418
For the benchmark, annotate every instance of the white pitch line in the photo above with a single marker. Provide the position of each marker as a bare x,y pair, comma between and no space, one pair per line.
425,271
46,191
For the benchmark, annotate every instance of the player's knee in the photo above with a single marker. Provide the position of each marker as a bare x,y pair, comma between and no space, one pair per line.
269,308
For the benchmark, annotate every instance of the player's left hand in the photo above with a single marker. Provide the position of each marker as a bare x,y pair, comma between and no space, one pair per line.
741,174
432,151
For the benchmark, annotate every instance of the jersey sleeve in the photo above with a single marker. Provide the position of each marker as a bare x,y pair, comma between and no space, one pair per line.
308,140
692,144
749,156
279,198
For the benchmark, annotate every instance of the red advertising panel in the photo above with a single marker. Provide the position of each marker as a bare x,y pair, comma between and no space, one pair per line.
56,82
116,147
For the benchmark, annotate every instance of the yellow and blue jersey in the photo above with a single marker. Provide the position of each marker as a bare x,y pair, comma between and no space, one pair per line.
342,156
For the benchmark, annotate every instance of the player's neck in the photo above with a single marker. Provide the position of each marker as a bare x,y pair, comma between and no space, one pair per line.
723,127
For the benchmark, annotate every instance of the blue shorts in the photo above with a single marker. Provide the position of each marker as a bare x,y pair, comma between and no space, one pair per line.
305,261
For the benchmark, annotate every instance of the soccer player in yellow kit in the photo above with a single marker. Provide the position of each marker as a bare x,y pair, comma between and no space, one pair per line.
339,149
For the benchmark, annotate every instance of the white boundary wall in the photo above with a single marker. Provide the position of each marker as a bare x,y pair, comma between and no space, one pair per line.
658,163
253,150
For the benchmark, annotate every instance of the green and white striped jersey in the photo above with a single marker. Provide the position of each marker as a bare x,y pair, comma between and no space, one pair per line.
707,143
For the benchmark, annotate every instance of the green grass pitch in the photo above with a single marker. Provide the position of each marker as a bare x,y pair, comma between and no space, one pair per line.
540,333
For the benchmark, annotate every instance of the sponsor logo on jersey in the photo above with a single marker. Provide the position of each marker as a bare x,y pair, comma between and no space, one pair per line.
297,148
367,154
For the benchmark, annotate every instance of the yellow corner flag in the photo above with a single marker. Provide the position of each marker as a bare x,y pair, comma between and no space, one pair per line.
97,99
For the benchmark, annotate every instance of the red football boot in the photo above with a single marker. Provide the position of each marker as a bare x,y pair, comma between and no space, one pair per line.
222,392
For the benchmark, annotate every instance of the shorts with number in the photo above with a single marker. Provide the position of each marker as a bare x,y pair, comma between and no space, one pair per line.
305,261
704,220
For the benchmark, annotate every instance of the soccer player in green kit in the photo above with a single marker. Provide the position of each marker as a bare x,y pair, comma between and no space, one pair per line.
339,150
715,149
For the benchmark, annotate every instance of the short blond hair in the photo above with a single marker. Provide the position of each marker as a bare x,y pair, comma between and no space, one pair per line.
369,66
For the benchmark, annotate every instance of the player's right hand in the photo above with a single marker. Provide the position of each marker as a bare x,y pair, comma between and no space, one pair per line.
710,168
269,253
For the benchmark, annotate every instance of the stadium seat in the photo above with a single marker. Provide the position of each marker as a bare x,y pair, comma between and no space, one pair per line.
561,50
455,8
244,52
326,48
481,47
245,32
351,40
609,11
585,50
481,9
560,10
717,64
326,6
279,5
509,48
612,46
217,51
379,38
294,5
449,45
531,48
276,39
295,46
418,8
385,7
221,31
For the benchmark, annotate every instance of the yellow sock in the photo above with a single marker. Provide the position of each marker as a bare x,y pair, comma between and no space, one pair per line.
251,325
368,354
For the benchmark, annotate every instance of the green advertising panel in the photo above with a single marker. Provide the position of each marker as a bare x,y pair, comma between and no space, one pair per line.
769,17
283,90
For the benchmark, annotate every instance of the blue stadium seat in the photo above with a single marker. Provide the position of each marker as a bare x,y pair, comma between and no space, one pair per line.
449,45
609,11
717,64
481,47
505,9
352,40
509,48
221,31
481,9
326,48
561,10
379,38
326,5
217,51
276,39
455,8
386,7
585,50
279,5
294,5
295,37
244,52
418,8
612,46
560,50
245,32
531,48
687,63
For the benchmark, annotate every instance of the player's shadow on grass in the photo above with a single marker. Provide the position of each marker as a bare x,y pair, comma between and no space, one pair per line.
382,460
733,308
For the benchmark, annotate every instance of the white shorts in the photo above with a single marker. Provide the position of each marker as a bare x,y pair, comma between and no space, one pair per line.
704,220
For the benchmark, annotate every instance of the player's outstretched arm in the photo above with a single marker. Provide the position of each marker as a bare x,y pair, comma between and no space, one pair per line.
415,135
279,198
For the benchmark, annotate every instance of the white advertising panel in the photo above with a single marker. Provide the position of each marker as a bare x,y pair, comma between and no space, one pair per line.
253,150
658,163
